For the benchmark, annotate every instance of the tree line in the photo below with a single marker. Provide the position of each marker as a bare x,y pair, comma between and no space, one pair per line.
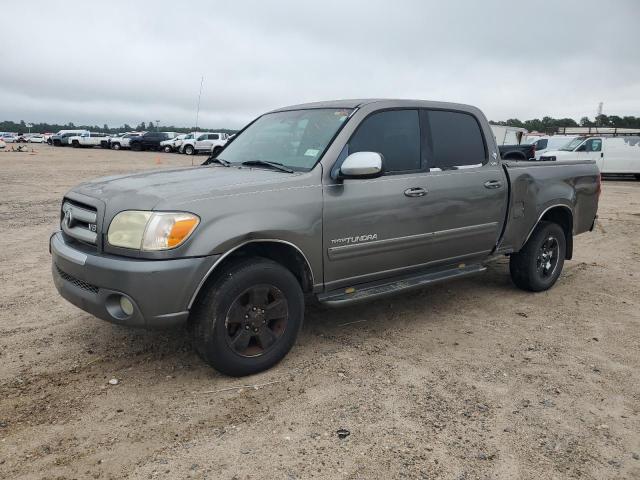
549,124
22,127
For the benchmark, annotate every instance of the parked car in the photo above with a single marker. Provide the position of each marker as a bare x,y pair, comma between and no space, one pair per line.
546,143
173,144
87,139
619,155
36,138
204,142
332,200
8,138
148,141
122,141
518,152
62,137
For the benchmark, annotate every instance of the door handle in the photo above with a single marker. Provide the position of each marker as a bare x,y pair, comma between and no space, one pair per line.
415,192
493,184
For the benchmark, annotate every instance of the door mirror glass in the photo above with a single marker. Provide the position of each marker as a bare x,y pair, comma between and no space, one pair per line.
362,165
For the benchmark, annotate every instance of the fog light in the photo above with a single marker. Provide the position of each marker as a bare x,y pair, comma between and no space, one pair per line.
126,306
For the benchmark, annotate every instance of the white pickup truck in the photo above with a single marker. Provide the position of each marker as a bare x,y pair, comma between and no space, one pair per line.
210,142
87,139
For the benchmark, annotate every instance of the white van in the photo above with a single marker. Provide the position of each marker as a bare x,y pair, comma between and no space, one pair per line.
612,154
549,143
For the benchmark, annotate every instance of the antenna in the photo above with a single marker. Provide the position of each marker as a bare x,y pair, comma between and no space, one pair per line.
198,109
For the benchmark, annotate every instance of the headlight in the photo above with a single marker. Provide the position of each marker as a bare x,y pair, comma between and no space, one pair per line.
150,231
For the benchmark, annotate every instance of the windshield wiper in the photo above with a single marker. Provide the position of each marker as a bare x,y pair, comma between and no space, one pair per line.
265,163
221,161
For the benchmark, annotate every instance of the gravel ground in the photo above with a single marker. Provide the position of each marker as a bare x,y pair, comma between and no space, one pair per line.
465,380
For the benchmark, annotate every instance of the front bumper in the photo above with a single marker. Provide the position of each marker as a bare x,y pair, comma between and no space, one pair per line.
159,290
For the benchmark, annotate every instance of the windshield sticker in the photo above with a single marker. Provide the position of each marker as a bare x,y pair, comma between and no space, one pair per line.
312,152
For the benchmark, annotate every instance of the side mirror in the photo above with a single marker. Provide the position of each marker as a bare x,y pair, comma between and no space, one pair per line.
362,165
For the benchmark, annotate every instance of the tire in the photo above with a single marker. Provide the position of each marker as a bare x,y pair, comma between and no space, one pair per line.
537,266
223,317
115,146
136,147
637,175
189,150
75,144
167,149
49,142
215,151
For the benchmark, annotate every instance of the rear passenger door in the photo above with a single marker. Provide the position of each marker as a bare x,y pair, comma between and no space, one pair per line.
467,188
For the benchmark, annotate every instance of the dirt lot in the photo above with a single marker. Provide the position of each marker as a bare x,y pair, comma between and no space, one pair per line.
472,379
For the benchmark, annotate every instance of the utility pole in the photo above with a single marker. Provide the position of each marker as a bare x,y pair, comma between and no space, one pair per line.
198,111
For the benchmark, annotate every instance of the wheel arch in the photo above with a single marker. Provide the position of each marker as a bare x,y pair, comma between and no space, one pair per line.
563,216
283,252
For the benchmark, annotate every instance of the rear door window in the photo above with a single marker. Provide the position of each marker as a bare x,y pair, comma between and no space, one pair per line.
453,140
395,134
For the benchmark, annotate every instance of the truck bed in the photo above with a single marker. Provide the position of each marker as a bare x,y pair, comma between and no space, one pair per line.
536,187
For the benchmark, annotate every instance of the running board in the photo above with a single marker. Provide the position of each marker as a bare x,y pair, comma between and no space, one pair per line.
369,291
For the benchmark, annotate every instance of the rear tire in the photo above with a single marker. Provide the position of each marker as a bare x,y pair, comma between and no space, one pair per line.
136,147
75,144
239,329
215,151
537,266
167,149
115,146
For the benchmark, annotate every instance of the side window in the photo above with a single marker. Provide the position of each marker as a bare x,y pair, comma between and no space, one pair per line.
213,136
594,145
454,140
542,144
395,134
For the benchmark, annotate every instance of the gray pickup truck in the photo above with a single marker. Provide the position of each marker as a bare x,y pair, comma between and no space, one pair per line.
340,201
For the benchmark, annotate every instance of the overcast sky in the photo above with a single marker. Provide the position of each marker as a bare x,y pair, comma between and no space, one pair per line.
116,61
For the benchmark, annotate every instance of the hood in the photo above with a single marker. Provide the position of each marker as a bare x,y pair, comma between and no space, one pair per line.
558,154
147,189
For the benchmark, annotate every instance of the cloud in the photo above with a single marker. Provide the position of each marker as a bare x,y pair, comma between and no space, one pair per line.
116,62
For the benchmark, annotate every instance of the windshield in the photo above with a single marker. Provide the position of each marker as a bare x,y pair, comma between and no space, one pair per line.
571,146
296,138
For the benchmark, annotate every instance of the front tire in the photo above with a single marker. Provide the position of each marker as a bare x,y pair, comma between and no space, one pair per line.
115,146
248,318
189,150
538,265
167,149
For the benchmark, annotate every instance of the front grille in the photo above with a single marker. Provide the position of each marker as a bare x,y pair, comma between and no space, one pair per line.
79,221
77,282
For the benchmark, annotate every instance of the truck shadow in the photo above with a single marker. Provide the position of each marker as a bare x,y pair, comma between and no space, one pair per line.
324,328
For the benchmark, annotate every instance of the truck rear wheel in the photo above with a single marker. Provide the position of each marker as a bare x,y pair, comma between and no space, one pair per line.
75,144
248,318
538,265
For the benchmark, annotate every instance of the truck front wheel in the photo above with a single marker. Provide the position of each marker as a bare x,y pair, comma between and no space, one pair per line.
248,318
189,150
538,265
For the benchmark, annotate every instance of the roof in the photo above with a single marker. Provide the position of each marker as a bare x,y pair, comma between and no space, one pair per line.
387,103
